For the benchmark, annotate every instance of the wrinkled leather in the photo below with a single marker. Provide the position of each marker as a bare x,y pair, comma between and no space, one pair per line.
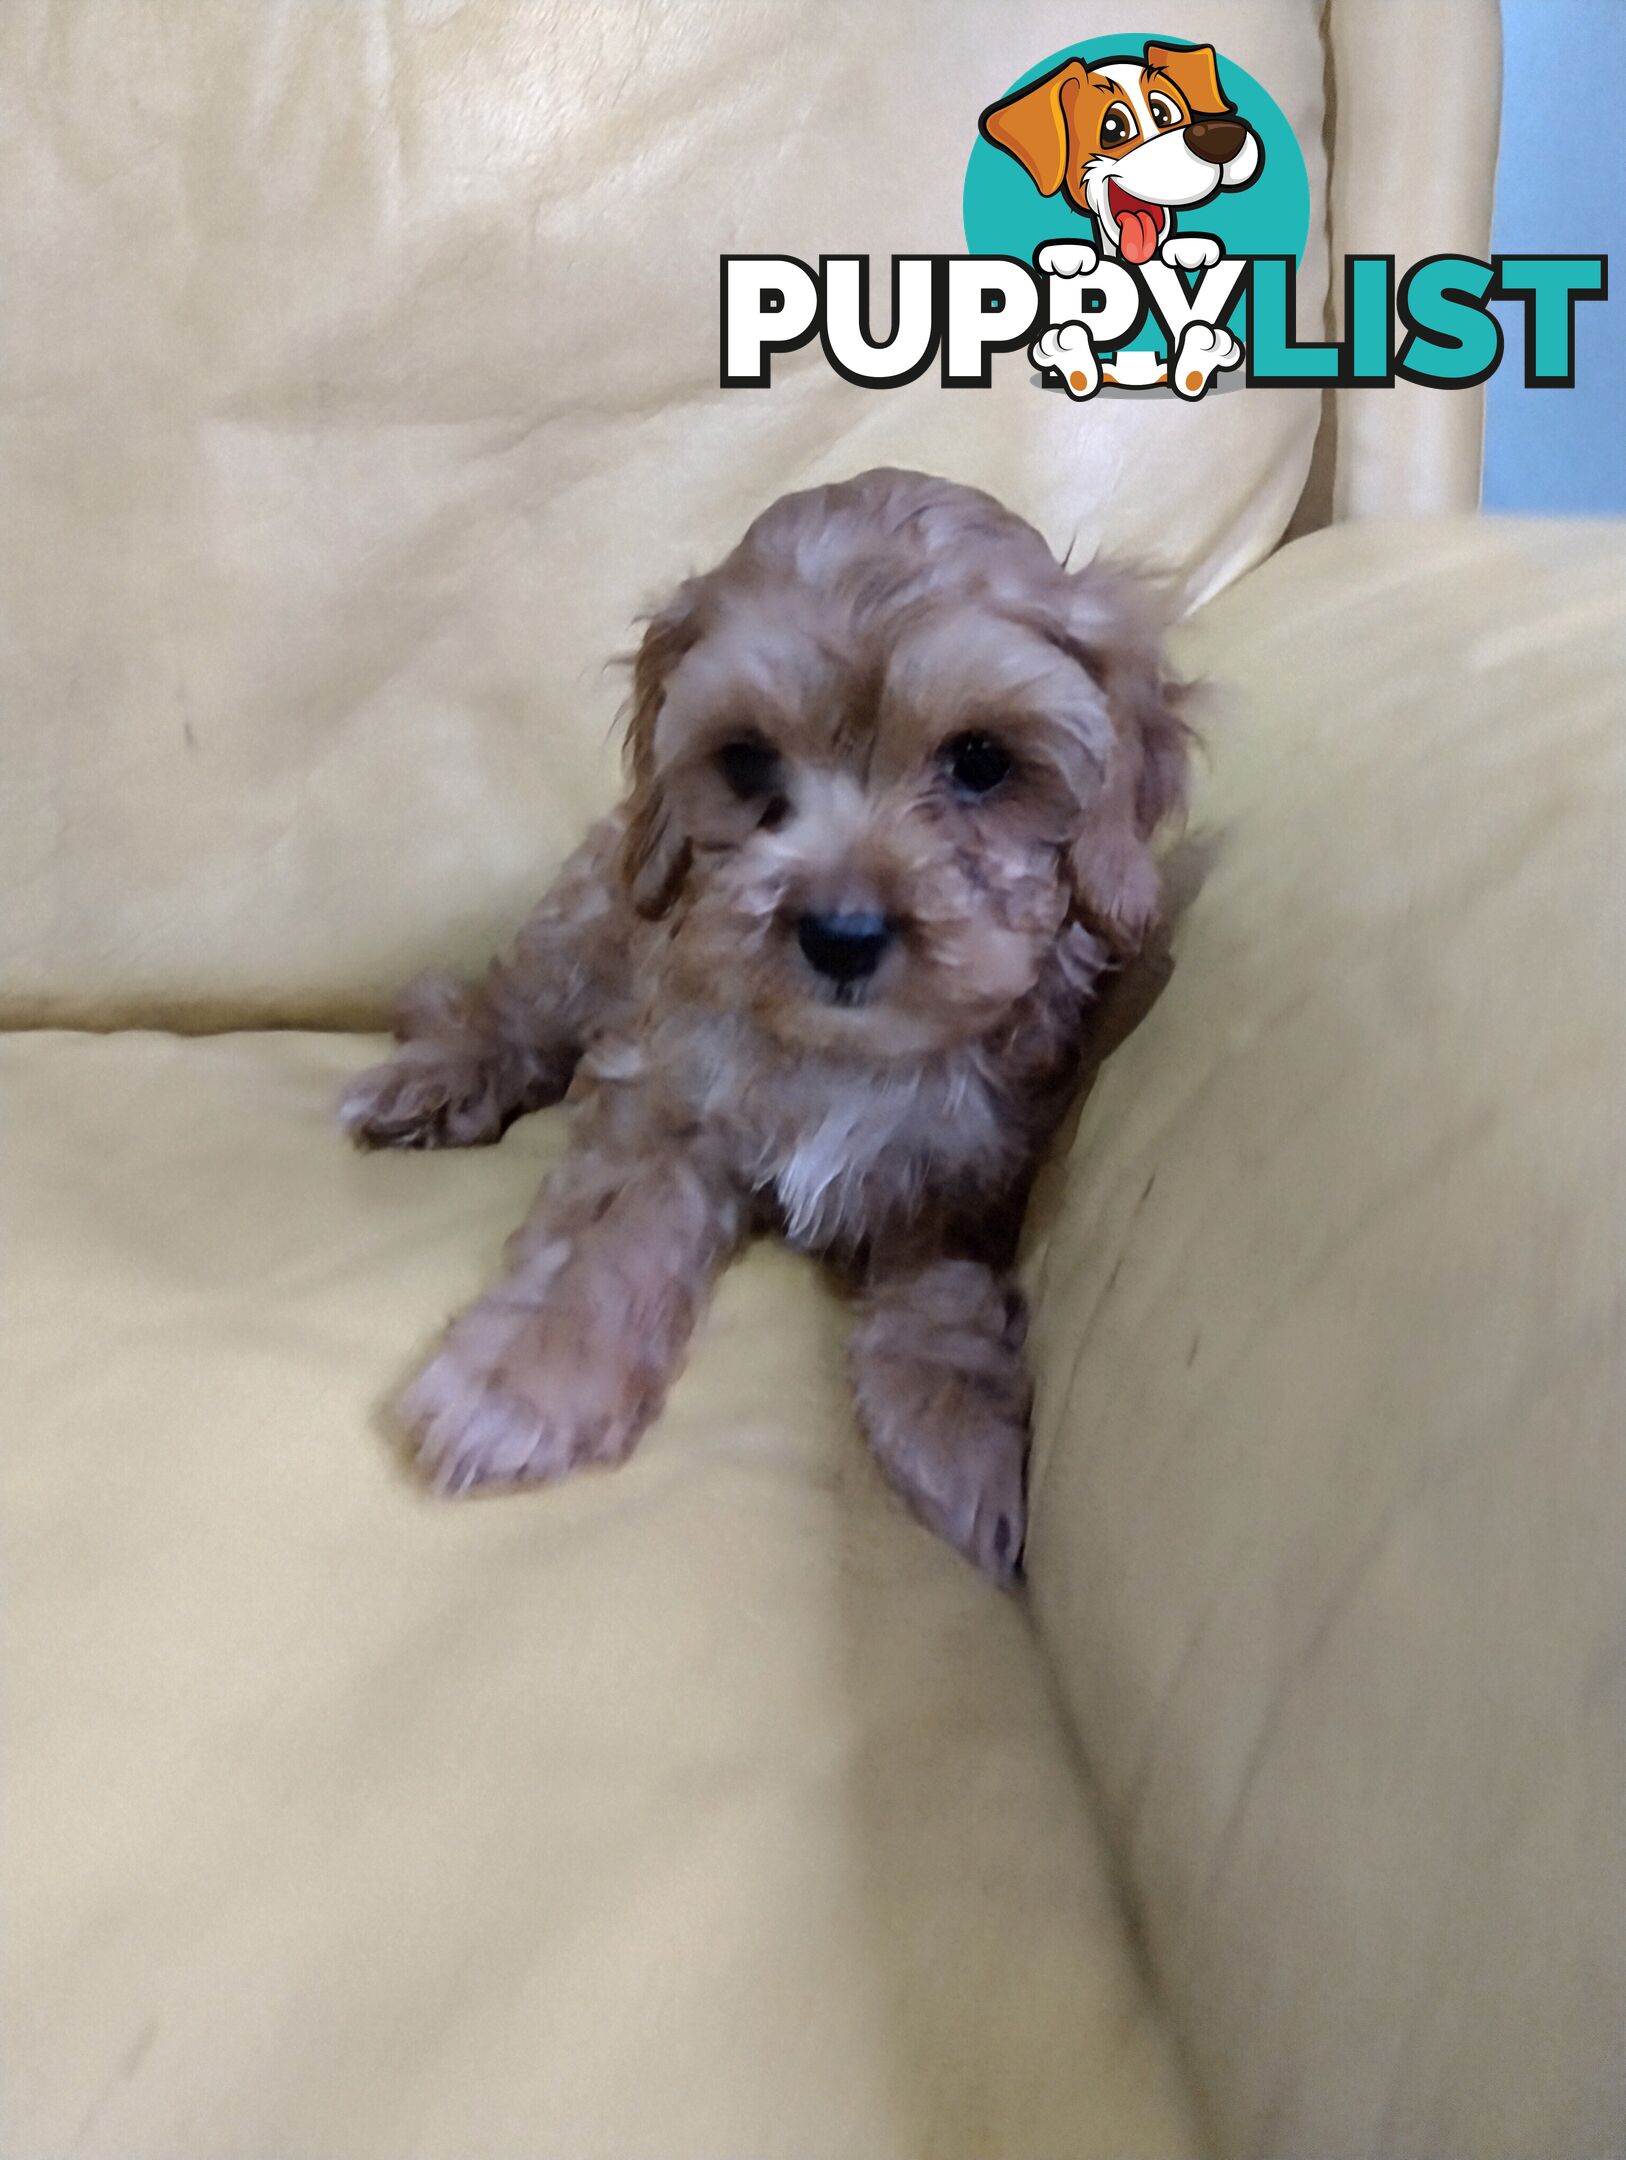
361,387
710,1807
1328,1502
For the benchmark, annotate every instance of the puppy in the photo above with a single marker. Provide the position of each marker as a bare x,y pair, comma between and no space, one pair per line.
827,971
1129,141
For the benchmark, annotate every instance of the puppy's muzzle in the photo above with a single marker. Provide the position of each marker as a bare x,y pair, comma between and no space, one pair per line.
1216,142
845,948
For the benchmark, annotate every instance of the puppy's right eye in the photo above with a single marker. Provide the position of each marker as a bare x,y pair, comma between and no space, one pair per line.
977,764
1117,126
750,766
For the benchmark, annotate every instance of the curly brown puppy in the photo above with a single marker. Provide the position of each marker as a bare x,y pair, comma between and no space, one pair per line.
827,971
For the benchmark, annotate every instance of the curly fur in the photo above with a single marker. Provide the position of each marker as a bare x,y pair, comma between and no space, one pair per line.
891,1124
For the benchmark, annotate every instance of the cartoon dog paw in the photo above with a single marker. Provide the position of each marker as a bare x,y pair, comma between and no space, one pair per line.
1067,258
1190,251
1204,350
1070,350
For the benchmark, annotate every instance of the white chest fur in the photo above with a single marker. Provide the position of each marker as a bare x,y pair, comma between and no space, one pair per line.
823,1182
845,1146
871,1146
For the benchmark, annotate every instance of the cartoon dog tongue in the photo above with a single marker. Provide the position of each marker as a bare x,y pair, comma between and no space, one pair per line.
1138,225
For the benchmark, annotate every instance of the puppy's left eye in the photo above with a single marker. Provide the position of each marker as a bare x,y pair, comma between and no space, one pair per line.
1164,115
750,766
977,764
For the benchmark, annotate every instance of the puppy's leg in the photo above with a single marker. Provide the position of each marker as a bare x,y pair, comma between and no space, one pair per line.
570,1357
937,1369
475,1056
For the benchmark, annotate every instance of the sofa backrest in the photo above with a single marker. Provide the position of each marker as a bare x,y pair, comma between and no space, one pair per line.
360,385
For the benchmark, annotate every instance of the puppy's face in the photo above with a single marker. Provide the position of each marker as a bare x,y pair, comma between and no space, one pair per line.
882,756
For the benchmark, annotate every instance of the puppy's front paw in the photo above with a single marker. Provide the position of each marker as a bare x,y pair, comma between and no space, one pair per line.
513,1396
937,1365
426,1095
966,1483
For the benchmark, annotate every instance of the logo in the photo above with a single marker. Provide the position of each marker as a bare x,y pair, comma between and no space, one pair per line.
1159,161
1136,211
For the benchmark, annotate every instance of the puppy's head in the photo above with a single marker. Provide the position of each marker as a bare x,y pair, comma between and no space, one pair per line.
883,755
1129,141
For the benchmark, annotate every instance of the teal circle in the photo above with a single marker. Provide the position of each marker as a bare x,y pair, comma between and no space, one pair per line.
1006,215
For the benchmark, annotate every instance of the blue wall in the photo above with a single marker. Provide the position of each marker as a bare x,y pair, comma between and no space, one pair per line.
1561,189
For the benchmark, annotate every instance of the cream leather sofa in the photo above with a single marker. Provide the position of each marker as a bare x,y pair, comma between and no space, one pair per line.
358,385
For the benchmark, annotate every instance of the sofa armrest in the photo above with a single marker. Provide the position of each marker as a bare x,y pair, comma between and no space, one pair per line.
1328,1500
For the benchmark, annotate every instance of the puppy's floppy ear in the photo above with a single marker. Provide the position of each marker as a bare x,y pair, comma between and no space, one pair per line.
1194,72
1117,887
654,853
1033,125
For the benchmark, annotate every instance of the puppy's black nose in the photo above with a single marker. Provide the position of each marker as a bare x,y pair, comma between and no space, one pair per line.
844,947
1216,142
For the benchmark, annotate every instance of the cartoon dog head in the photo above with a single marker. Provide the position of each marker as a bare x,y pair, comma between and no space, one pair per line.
1129,141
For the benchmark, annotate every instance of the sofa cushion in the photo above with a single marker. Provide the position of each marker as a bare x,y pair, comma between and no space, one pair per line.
366,389
1329,1507
709,1808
